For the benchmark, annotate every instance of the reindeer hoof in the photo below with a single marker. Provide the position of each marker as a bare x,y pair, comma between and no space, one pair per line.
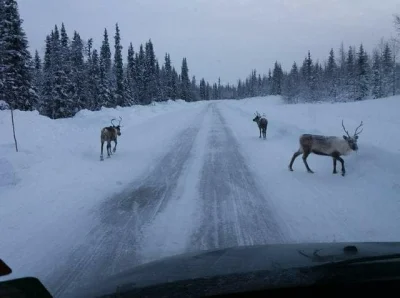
101,158
343,174
290,169
311,172
334,172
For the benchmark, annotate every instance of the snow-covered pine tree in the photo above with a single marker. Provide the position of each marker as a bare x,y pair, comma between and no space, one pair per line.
62,104
215,91
105,95
15,63
160,95
292,84
77,75
38,79
185,82
168,85
277,79
195,92
203,89
351,74
175,83
208,91
376,75
140,71
150,72
130,76
387,70
118,71
331,76
362,75
93,82
47,80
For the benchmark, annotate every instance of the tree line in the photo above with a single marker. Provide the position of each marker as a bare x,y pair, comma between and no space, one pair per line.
353,75
72,75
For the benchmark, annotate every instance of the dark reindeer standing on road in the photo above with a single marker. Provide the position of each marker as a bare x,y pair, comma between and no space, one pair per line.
109,134
262,123
327,146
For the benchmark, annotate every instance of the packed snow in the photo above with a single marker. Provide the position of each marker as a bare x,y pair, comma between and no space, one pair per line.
50,191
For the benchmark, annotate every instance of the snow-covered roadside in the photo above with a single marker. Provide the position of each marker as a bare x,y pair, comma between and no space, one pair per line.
364,205
52,184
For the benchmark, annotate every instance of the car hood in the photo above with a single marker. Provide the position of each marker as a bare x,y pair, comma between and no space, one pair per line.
242,260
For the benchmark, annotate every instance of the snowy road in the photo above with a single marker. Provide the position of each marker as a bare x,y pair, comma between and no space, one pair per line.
234,211
225,208
188,177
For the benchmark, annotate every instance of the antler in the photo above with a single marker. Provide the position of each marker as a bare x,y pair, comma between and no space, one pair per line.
119,121
357,133
345,129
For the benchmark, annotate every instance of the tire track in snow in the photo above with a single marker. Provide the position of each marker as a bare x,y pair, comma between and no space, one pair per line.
114,244
235,212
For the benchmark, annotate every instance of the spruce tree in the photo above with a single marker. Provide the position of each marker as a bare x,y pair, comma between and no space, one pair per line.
377,91
105,95
118,70
362,74
185,81
77,74
130,76
15,60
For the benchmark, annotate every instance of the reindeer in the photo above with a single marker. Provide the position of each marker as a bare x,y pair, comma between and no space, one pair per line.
327,146
262,123
109,134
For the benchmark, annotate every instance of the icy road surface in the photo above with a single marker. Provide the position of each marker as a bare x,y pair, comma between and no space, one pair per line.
199,195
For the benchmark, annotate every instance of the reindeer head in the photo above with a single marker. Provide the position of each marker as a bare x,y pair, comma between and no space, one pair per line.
117,127
352,140
257,118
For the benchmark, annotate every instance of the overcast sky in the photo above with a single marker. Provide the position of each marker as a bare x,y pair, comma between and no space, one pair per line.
225,38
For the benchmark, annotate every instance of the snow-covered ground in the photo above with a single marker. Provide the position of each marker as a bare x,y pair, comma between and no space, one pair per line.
190,176
362,206
48,188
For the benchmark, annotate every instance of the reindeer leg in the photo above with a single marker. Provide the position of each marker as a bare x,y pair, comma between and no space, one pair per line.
260,132
109,149
295,155
342,162
115,146
305,155
101,154
334,165
265,131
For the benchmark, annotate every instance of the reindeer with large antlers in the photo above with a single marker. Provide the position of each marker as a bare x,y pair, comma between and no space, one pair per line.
327,146
109,134
262,124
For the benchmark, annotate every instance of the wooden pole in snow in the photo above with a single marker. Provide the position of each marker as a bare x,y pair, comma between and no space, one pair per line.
13,126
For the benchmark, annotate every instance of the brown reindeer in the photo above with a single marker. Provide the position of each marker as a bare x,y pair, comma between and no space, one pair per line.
109,134
262,124
327,146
